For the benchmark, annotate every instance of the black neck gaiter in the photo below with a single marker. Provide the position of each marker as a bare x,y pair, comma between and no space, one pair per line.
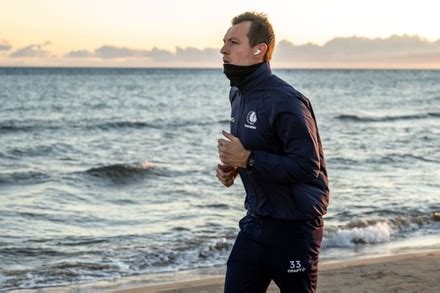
237,73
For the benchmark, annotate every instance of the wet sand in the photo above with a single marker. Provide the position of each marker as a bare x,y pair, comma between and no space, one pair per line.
419,272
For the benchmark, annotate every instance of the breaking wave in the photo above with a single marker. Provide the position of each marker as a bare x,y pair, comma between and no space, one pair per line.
372,231
198,252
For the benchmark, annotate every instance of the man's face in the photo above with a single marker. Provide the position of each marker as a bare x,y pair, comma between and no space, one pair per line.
236,49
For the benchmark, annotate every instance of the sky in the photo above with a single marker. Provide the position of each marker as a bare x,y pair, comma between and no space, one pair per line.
172,33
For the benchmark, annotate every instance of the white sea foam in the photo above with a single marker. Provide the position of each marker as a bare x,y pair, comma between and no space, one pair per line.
121,265
379,232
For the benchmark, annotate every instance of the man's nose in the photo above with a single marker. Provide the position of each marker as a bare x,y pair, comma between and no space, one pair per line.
223,50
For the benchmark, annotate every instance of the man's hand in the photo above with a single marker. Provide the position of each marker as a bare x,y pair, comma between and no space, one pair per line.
226,174
232,152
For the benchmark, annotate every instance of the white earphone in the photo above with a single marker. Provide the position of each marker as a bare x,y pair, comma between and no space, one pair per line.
257,52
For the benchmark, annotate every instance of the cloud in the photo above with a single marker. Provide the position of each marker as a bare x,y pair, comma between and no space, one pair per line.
79,54
393,45
394,49
197,55
35,50
4,45
155,55
160,55
107,52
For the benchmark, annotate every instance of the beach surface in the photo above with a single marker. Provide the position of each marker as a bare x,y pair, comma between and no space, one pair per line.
415,272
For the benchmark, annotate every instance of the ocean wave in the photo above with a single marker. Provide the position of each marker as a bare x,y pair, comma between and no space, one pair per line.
39,150
342,161
187,254
434,114
121,171
386,159
220,206
371,118
372,231
121,124
59,274
80,266
23,178
29,252
10,128
79,241
182,123
14,126
196,252
212,249
155,124
399,158
223,121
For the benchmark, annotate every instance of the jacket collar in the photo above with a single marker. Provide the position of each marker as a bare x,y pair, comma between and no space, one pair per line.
255,78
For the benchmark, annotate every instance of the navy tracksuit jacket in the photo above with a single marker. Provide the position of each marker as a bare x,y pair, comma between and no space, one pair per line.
289,178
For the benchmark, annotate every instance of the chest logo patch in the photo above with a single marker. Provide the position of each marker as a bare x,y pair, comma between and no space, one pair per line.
251,119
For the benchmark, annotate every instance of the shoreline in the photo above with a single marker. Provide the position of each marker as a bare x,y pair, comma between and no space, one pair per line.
366,275
406,272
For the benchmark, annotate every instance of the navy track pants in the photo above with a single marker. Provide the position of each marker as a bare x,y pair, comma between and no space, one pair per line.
268,249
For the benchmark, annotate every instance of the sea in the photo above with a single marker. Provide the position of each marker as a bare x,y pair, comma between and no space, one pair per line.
107,173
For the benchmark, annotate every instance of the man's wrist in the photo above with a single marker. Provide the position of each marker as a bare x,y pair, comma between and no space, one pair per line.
245,160
251,161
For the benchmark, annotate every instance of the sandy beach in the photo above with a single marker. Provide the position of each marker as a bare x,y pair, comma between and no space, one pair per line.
415,272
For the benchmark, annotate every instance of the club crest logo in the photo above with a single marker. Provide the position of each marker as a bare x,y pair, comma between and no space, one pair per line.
251,118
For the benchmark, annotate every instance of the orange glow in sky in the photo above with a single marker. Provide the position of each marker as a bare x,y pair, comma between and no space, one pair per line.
64,25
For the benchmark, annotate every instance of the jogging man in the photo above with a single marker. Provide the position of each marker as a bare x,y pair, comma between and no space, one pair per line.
274,146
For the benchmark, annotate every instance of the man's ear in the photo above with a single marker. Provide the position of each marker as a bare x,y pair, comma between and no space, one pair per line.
260,49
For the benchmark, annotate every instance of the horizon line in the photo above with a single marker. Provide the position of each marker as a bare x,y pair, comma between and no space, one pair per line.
220,68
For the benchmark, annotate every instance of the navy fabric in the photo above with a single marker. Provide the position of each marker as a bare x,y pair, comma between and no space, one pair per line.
289,178
285,252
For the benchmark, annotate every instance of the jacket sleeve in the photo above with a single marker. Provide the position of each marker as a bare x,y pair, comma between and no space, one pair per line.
293,123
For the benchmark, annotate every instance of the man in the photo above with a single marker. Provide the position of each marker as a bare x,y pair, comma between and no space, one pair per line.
275,146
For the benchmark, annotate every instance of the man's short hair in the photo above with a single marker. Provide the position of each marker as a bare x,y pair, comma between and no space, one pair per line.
261,31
